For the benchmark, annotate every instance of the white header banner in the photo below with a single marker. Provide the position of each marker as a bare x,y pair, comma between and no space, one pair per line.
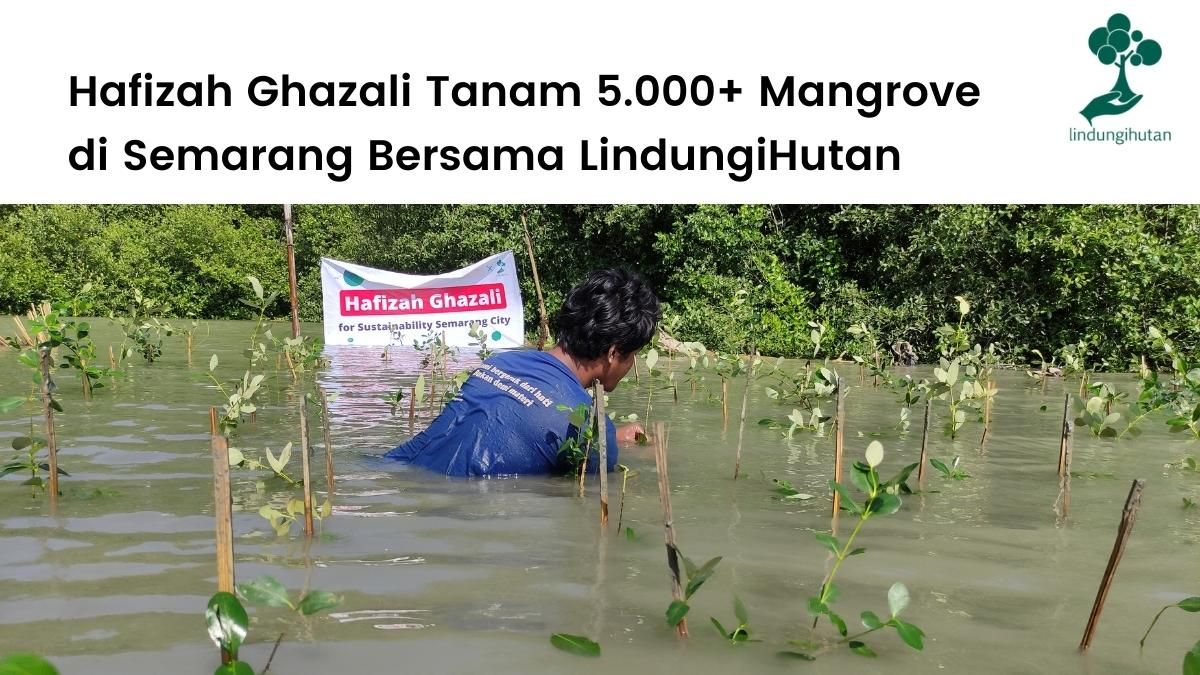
366,306
863,102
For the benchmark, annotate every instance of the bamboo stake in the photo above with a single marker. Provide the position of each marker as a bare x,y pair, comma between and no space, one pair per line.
47,387
1064,484
664,498
737,462
1065,439
544,324
326,423
291,262
724,403
306,469
112,358
222,504
412,411
1128,515
602,438
838,442
924,445
876,381
637,378
621,509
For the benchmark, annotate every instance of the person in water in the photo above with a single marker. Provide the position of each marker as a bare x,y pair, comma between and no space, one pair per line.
506,419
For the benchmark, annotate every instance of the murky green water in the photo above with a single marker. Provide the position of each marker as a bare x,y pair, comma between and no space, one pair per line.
454,576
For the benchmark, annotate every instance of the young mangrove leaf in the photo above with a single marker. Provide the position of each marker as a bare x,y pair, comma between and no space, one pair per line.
317,601
676,611
739,611
870,620
697,577
26,664
847,501
830,542
575,644
265,590
796,655
897,598
1191,661
227,622
235,668
913,637
874,455
859,647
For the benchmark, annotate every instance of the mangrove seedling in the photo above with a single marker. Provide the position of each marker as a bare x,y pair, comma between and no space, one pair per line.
480,337
1191,660
882,498
394,400
788,491
228,623
573,453
28,449
952,471
871,356
1091,414
143,327
954,339
240,396
741,632
696,576
816,335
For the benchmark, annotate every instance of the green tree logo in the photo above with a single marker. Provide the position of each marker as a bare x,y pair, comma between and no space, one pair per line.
1116,44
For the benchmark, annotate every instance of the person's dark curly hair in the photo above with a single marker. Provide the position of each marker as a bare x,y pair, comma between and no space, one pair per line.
611,308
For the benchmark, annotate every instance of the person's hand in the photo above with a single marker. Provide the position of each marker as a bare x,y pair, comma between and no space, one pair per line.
629,434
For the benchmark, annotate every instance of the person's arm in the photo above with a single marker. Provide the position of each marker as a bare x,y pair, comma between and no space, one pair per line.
627,434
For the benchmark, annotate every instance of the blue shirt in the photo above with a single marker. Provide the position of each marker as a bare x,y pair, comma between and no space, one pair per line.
506,421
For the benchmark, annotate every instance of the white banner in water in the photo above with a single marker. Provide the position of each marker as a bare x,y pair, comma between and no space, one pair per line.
366,306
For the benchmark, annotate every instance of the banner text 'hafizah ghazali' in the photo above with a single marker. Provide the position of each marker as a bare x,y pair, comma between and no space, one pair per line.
367,306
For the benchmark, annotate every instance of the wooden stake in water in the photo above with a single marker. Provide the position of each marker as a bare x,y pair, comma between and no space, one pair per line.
1064,483
838,442
326,423
412,411
737,461
543,322
291,263
1065,439
1128,515
306,472
602,440
664,499
924,445
48,413
222,504
724,403
112,358
624,481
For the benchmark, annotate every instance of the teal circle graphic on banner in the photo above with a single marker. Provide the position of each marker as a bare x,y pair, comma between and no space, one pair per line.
496,336
351,278
350,339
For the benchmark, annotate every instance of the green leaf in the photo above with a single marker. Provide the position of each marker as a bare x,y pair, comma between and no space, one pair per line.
860,475
26,664
36,481
676,611
720,629
254,283
227,621
9,402
830,542
940,466
870,620
56,405
630,535
885,504
316,601
796,655
856,551
21,442
265,590
697,578
897,598
235,668
1191,661
861,648
575,644
212,363
837,622
739,611
912,636
1191,604
847,501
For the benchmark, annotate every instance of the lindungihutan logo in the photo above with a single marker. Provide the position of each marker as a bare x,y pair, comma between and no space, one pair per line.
1116,44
